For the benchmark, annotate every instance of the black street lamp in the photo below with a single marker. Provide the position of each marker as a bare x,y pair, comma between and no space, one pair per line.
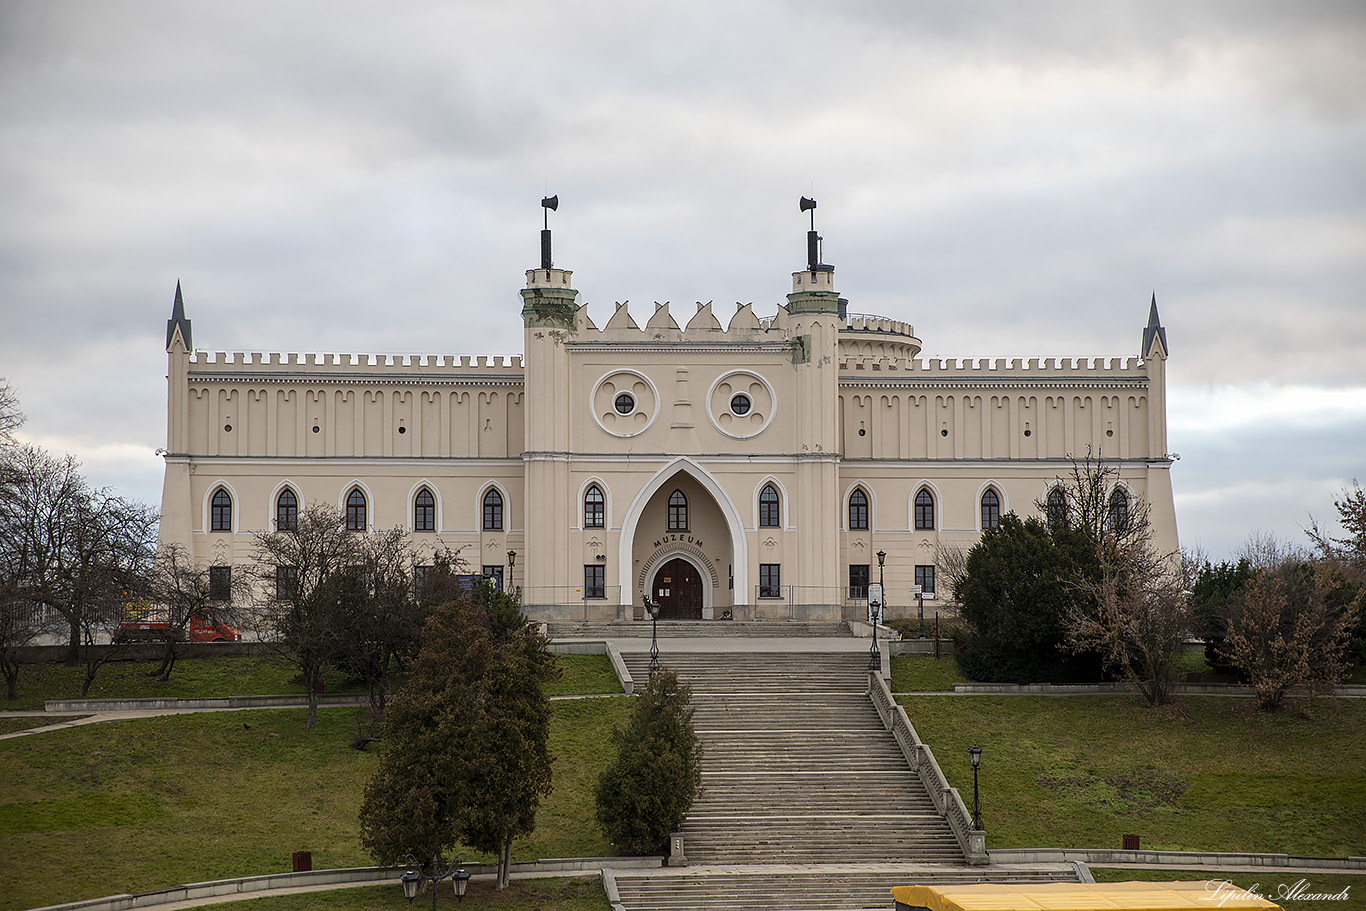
512,561
874,656
653,608
975,753
414,877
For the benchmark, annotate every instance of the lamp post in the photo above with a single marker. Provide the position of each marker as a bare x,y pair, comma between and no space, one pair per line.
414,877
876,608
920,603
975,754
512,561
653,608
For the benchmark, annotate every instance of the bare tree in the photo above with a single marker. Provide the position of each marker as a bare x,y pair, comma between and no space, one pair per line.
1137,614
11,418
1349,551
71,549
304,578
1290,625
182,593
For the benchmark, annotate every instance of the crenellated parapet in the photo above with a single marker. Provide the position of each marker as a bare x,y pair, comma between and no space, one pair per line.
702,326
352,368
1003,371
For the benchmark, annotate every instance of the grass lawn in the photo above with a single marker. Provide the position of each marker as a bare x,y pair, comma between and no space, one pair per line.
576,894
1208,774
263,675
584,675
187,798
925,674
1275,885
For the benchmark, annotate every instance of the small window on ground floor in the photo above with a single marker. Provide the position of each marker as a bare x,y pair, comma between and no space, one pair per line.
770,580
924,577
594,580
496,574
858,580
220,583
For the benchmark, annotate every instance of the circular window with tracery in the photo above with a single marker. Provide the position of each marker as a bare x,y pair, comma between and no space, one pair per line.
624,403
740,404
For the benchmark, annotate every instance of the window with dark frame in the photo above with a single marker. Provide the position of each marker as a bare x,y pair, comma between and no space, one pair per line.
424,511
924,577
496,574
220,583
355,510
678,511
1057,507
594,508
420,574
493,512
858,510
286,581
991,509
286,511
220,512
594,580
769,511
770,580
858,580
924,510
1119,511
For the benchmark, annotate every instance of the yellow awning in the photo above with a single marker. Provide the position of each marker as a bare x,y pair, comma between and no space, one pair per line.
1133,896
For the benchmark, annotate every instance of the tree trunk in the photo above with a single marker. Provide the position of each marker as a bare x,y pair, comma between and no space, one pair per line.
73,646
505,862
167,660
312,707
11,669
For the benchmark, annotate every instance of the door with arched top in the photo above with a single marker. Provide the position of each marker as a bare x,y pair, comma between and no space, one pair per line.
678,589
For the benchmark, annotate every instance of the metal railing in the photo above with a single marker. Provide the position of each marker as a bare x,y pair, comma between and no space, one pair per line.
947,800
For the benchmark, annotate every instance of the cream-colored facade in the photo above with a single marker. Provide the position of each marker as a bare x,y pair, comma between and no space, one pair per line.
793,448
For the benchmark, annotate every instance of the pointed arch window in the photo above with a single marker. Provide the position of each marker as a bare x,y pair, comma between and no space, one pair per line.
355,510
858,510
286,511
678,511
424,511
220,511
991,509
1057,507
924,510
594,508
493,511
1119,512
769,507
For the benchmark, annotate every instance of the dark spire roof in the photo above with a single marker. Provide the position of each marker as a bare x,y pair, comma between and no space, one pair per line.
1154,331
178,319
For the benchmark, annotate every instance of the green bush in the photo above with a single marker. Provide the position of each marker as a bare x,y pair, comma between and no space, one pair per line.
643,796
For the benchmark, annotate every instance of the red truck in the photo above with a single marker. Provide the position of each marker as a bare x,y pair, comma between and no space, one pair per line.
145,622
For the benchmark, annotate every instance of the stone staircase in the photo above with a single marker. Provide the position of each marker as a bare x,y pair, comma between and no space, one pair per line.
807,802
797,767
776,888
698,629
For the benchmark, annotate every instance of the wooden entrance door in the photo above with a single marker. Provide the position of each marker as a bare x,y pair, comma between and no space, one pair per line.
678,589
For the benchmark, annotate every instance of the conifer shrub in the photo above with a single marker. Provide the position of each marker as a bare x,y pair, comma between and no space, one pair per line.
644,794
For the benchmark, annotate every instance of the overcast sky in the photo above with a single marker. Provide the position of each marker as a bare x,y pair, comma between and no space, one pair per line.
1015,179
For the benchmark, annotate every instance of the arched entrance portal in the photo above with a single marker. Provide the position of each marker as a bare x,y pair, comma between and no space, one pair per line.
678,589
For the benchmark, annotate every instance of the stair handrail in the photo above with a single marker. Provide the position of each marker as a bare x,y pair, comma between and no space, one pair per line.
947,801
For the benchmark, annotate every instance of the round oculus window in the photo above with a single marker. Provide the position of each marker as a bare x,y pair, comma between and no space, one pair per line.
625,403
740,403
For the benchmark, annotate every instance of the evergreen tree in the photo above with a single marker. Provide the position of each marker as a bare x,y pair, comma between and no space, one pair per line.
644,794
468,757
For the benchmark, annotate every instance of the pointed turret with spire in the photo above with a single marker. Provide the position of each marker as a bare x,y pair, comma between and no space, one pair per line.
178,322
1154,336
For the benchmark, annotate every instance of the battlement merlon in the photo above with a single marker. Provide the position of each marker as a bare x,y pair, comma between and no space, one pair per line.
996,371
350,368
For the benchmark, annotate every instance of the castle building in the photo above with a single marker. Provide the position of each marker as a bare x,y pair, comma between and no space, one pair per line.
758,470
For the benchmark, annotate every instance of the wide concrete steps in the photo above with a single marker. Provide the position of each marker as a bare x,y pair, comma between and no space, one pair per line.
850,888
796,764
698,629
